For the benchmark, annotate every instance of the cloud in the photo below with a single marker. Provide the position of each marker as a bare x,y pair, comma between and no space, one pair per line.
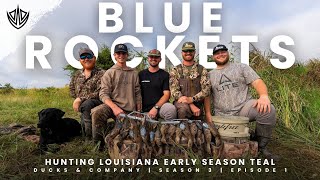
61,20
296,19
303,29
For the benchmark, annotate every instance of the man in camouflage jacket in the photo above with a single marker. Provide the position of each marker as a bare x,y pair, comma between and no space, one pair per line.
85,87
189,84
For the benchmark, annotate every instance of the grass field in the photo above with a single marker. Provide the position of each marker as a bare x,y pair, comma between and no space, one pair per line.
295,93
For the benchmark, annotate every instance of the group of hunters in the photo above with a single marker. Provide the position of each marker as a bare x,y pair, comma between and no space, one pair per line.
101,95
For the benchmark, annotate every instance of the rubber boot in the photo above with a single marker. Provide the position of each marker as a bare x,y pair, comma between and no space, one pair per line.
263,133
87,128
83,131
98,135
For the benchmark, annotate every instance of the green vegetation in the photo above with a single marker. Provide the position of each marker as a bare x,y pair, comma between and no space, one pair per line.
6,89
104,60
22,105
295,92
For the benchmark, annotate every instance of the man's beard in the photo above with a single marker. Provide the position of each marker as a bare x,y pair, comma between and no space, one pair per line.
191,59
89,67
222,63
154,65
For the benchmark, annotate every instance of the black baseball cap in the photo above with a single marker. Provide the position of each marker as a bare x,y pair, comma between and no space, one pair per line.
120,48
219,47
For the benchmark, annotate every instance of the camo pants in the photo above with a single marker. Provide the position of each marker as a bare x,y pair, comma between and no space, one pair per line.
184,111
100,126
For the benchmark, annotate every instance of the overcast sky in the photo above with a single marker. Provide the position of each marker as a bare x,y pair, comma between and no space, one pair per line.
60,20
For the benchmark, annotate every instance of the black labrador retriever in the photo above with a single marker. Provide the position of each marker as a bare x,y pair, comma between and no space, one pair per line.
55,129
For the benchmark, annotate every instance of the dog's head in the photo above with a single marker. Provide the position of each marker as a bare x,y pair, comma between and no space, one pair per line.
49,117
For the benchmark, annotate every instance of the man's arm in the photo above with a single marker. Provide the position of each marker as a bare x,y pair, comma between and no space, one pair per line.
115,109
263,103
137,91
166,90
195,110
105,92
207,109
165,98
174,84
205,86
72,86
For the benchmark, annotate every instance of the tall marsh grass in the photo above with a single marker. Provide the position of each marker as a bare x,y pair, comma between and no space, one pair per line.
295,94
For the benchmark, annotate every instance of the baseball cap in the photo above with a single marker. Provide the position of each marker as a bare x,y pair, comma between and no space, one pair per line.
85,51
188,46
120,48
154,52
219,47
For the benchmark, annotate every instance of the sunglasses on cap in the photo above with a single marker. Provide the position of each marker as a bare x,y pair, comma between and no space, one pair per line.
154,57
88,56
190,50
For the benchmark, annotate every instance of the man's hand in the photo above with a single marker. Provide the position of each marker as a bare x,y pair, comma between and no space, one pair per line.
263,104
195,110
153,113
185,99
116,111
76,104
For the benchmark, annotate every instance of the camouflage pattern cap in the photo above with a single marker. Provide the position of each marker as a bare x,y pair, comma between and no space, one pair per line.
188,46
154,52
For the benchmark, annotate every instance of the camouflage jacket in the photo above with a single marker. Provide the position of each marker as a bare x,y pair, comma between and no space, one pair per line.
86,88
192,74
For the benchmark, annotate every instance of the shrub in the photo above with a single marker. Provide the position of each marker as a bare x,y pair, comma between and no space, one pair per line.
6,89
313,72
